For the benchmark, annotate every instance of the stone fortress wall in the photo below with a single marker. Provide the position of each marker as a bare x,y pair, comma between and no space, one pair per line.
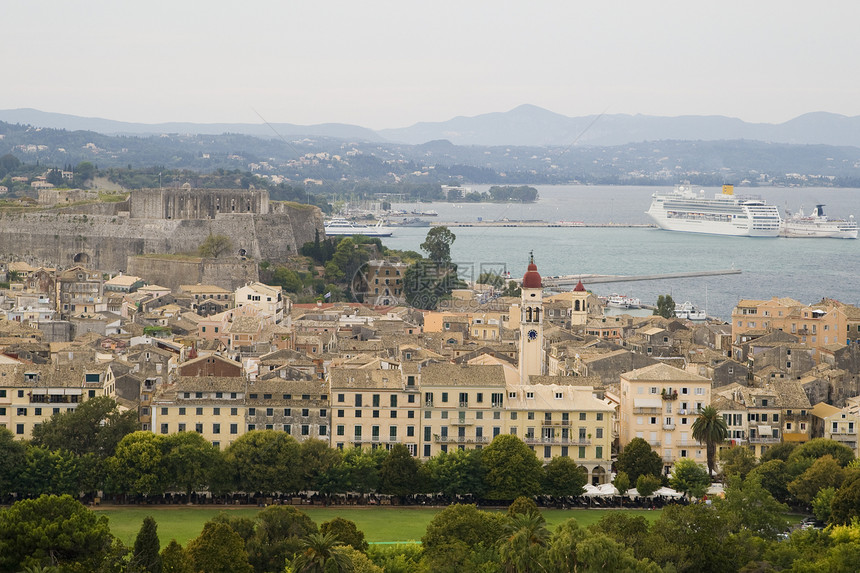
156,221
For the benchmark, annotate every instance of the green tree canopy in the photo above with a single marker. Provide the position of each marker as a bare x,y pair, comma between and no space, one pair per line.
278,537
95,426
322,553
215,246
562,477
818,447
265,461
437,244
512,468
12,452
647,484
690,478
147,547
218,549
748,506
138,465
665,306
55,530
399,472
190,461
346,532
737,461
458,531
637,458
824,472
456,473
845,504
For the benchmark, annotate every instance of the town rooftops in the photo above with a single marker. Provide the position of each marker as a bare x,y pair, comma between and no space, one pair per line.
662,373
466,375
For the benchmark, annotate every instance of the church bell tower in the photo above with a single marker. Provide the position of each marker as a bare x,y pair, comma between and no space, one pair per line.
531,324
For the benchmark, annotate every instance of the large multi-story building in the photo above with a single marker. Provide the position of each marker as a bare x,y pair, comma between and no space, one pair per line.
815,325
566,421
659,404
374,404
32,393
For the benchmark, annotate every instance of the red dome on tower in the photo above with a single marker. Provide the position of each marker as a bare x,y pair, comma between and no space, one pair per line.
532,278
579,287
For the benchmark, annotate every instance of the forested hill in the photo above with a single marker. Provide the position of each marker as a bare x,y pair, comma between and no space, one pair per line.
329,159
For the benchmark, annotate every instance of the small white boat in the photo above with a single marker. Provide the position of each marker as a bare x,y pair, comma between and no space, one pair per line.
688,311
344,227
623,301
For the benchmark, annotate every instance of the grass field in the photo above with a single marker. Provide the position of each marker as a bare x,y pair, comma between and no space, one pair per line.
379,524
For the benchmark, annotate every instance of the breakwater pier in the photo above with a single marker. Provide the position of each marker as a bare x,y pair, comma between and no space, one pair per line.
558,282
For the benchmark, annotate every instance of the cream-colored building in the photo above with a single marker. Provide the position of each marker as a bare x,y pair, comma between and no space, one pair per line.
32,393
463,406
373,405
213,406
560,420
659,404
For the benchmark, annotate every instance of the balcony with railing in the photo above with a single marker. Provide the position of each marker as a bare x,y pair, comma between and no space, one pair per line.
460,439
646,410
764,440
673,395
668,426
462,422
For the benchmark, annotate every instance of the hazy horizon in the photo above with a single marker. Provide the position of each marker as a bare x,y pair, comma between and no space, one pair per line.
386,64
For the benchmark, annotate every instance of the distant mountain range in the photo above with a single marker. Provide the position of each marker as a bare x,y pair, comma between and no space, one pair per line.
526,125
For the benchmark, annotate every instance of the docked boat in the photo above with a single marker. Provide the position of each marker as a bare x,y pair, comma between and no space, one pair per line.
622,301
724,214
688,311
818,225
340,227
421,213
412,222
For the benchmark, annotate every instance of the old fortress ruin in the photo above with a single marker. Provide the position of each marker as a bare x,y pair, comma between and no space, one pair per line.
159,221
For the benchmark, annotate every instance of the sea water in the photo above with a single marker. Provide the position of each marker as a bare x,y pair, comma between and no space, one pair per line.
804,269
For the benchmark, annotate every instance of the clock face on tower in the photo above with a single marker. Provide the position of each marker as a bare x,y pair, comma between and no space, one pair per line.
532,334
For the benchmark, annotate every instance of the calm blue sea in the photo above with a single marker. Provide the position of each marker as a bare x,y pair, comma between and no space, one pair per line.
804,269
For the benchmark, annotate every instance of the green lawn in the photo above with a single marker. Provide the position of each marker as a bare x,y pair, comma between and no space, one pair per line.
379,524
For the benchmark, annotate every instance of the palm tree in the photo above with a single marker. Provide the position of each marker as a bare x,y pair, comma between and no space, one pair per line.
322,552
710,429
522,550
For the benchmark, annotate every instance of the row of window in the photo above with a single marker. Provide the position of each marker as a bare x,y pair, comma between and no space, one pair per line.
251,396
216,411
23,411
233,429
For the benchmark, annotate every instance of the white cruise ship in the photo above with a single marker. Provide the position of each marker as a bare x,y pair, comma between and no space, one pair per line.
340,227
724,214
818,225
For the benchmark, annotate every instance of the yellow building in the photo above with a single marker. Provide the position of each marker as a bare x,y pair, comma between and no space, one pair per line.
372,406
816,325
567,421
213,406
659,404
32,393
463,406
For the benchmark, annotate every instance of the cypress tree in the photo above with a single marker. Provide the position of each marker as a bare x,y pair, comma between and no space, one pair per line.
147,546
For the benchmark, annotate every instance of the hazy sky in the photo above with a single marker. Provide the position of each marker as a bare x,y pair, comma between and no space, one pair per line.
391,64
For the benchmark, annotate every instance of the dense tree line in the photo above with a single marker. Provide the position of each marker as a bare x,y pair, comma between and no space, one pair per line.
743,531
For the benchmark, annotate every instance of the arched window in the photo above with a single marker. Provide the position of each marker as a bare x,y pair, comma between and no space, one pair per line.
576,305
529,314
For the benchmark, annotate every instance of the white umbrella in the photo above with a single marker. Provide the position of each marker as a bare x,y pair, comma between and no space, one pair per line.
716,489
633,493
668,492
607,490
591,490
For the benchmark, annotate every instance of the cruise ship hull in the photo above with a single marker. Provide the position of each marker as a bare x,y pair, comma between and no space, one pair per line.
818,231
725,214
